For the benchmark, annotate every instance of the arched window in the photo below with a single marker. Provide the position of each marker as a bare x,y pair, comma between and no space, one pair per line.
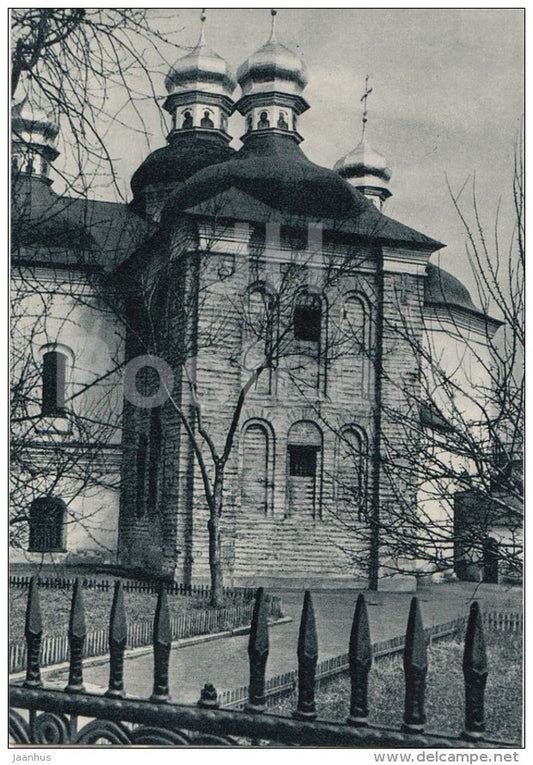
304,468
259,340
356,343
47,523
53,382
351,480
257,467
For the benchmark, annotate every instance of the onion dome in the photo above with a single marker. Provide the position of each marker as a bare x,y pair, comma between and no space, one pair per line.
199,86
202,67
272,80
199,89
34,132
367,170
363,161
273,61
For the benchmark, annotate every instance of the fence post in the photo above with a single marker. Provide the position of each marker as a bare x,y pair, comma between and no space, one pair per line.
307,659
118,631
76,638
475,672
33,633
415,669
360,659
162,643
258,654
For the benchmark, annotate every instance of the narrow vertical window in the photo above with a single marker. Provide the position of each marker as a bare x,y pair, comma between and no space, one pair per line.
307,318
54,379
154,458
304,469
142,449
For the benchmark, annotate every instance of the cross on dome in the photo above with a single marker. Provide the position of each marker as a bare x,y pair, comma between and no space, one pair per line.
363,167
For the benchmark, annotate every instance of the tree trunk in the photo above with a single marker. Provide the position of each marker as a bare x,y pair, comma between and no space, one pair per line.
215,555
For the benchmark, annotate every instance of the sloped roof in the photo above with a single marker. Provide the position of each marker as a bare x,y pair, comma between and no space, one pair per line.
271,169
181,158
53,229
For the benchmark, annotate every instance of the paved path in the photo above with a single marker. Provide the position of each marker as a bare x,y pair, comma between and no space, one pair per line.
224,662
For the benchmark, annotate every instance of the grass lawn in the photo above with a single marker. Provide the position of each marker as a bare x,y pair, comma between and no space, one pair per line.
55,607
444,690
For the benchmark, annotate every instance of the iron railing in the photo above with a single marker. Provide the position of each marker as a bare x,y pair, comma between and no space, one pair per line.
42,716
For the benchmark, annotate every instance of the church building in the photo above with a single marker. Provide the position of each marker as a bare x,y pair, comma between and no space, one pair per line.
221,366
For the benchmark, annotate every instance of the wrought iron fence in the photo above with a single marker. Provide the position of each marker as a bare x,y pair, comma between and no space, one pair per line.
42,716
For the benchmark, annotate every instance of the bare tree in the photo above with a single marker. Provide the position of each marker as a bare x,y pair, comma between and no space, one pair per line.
459,439
91,67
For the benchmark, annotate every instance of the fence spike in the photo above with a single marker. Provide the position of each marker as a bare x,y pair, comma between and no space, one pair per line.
307,660
360,658
33,632
162,644
118,632
415,669
76,638
258,654
475,671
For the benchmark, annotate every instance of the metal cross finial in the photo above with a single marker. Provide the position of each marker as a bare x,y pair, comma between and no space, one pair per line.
201,40
273,13
363,100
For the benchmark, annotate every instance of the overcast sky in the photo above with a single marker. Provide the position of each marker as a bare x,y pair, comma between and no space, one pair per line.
447,100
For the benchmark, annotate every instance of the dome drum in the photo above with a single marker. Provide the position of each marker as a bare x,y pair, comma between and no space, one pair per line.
199,111
273,111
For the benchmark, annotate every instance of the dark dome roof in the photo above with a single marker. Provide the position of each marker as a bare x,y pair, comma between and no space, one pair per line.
181,158
442,288
273,169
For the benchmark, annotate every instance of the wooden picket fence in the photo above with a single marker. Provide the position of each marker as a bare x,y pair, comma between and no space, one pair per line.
55,648
201,592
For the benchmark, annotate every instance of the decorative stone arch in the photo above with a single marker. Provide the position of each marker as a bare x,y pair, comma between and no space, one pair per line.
47,525
260,332
258,453
357,334
351,471
304,469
